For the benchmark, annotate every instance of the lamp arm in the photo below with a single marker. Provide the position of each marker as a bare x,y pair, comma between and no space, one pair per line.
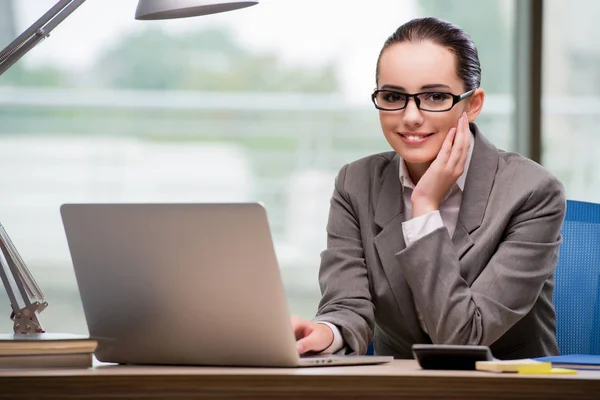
16,278
16,275
37,32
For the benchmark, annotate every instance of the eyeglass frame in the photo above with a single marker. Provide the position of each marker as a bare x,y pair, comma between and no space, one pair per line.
455,99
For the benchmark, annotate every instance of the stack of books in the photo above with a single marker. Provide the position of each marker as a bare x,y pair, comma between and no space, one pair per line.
46,350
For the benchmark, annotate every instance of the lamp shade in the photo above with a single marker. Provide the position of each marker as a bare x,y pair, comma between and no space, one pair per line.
169,9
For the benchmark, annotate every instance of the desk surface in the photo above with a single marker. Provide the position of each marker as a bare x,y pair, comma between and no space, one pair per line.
401,379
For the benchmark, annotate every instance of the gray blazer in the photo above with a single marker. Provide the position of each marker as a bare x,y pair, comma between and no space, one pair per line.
490,284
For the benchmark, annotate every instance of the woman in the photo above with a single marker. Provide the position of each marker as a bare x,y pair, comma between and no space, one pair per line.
446,239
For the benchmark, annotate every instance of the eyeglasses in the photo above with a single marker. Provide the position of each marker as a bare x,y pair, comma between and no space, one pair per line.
390,100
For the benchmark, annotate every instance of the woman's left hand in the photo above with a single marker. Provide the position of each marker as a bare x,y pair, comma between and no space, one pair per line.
443,172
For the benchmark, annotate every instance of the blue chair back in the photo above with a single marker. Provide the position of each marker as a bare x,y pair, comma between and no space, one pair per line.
577,289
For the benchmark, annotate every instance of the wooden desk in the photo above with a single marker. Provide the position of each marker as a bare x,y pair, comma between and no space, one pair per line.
397,380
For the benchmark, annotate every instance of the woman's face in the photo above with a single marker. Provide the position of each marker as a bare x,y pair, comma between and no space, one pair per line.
413,68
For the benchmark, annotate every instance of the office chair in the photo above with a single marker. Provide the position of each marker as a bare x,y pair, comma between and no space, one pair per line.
370,350
577,286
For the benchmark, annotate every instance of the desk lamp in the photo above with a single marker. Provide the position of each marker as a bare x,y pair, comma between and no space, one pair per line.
17,279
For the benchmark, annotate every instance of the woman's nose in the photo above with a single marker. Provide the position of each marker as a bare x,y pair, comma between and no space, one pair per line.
412,114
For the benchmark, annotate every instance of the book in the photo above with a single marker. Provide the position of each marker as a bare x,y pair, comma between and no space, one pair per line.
43,350
574,361
45,343
521,366
77,360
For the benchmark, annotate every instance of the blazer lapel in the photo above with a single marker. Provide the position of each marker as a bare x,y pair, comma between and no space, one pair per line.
389,215
389,203
478,186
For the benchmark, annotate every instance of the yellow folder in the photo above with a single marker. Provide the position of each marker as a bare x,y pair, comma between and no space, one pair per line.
522,366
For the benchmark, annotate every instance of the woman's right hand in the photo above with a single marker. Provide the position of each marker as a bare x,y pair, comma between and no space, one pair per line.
444,171
311,336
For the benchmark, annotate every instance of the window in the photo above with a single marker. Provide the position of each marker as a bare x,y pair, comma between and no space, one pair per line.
571,100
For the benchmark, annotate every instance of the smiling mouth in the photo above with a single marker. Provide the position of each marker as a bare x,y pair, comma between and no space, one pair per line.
415,138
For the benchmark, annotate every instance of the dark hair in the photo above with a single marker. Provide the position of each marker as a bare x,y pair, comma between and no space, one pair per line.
444,34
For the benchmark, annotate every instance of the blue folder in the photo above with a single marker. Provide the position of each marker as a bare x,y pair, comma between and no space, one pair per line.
574,361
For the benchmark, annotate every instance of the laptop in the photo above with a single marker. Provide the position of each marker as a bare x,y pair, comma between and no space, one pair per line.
184,284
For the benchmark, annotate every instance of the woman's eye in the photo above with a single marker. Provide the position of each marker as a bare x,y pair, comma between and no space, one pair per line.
436,97
393,97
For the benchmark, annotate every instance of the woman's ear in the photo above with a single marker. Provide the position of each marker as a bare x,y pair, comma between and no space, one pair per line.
475,104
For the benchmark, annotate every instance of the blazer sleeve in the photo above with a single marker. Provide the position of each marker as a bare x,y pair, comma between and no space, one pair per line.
509,284
346,299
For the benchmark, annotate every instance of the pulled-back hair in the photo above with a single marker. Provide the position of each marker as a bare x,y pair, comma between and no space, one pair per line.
446,35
